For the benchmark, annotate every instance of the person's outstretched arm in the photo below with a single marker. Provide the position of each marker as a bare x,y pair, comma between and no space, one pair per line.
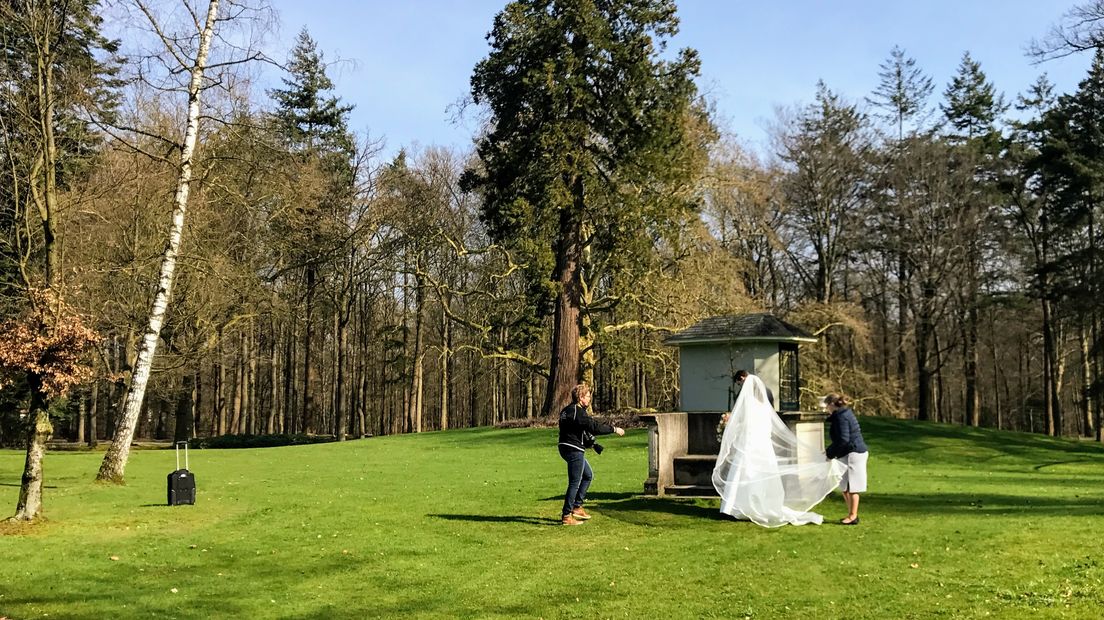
597,427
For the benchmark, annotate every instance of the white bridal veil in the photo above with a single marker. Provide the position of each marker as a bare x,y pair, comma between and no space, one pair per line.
758,474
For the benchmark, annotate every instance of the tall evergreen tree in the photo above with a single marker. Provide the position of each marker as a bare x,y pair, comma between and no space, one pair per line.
308,115
313,124
901,97
972,107
1072,159
1022,182
589,149
902,92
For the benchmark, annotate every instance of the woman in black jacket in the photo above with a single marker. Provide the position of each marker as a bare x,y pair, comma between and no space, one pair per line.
577,431
847,446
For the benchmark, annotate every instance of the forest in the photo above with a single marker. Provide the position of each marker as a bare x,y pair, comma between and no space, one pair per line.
184,254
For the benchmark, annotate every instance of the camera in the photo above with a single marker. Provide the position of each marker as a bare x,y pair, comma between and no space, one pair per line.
589,442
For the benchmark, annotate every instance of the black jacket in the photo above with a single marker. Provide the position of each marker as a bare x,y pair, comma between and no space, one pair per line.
574,422
843,428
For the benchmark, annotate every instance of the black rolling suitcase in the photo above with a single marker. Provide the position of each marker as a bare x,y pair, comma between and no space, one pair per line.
182,489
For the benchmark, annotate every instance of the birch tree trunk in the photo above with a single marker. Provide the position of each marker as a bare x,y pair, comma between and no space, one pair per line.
114,463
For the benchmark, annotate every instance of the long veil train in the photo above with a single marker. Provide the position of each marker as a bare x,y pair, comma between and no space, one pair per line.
758,474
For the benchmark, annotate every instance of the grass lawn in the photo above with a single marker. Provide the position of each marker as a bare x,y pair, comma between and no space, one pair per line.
462,524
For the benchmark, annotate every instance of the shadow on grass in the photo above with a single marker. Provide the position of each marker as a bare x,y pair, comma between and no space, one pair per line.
678,507
497,519
603,496
900,437
985,504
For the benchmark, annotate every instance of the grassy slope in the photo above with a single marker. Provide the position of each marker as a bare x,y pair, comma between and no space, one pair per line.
959,523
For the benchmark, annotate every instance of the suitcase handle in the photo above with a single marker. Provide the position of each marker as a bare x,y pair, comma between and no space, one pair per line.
177,446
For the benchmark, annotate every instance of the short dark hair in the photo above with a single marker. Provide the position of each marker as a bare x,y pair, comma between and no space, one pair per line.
740,375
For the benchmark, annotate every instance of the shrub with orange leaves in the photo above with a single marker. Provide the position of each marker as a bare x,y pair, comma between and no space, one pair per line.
48,341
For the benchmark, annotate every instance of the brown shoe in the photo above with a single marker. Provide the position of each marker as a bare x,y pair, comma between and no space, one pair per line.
580,514
570,520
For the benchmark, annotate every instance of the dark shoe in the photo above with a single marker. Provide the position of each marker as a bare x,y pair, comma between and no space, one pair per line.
580,514
846,522
570,520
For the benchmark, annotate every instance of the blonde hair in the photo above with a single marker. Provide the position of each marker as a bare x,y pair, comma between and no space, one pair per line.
838,400
579,391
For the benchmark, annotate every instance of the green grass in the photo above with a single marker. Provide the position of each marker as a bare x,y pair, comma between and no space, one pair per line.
958,523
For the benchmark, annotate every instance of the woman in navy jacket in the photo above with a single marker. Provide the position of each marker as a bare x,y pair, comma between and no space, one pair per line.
577,431
847,446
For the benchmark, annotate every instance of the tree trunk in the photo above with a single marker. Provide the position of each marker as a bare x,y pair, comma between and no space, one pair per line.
273,389
39,429
199,404
417,375
902,322
1085,389
184,403
341,413
994,361
220,387
82,412
239,385
564,371
290,425
407,395
1059,379
970,353
1050,372
308,364
114,463
93,409
250,405
923,372
446,368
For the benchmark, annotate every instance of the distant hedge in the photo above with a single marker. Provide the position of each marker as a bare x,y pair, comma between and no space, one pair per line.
257,441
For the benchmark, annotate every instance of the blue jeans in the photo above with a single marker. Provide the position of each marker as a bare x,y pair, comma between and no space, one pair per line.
579,476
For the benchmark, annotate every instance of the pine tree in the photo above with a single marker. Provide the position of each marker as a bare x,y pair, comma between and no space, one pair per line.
1072,169
1021,177
901,97
313,124
972,108
589,147
902,92
308,116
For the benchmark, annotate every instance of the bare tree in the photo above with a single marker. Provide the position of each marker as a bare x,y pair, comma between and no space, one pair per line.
184,53
1081,29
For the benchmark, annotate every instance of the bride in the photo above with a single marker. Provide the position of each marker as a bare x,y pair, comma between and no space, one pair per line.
758,474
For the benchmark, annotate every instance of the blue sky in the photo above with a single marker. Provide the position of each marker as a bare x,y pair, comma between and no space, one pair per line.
408,62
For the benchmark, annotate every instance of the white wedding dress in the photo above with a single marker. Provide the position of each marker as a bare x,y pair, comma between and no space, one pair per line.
758,474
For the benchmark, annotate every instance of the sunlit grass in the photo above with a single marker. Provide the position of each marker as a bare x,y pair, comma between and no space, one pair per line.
958,523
